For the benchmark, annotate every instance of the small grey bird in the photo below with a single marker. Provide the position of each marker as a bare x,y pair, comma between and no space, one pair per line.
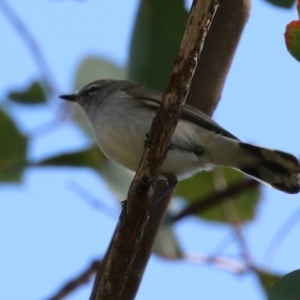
121,114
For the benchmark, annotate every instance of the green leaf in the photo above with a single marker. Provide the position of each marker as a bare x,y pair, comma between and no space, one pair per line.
287,288
166,244
267,279
157,34
33,94
13,147
203,184
117,177
94,68
282,3
91,157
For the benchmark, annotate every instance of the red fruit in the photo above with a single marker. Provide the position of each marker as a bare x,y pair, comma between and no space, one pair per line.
292,37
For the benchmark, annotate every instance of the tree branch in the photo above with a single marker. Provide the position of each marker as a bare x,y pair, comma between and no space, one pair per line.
216,57
73,284
156,216
213,64
32,44
132,222
215,198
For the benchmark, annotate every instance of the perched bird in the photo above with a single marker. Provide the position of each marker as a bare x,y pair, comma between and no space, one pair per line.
121,113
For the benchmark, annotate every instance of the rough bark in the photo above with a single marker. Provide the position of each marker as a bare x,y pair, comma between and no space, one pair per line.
128,234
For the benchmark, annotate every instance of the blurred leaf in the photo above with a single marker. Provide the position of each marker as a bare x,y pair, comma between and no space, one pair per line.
89,70
198,186
94,68
117,177
91,157
13,146
287,288
157,34
292,39
166,244
33,94
282,3
267,279
202,185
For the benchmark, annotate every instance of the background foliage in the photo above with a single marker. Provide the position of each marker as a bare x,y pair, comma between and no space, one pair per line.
33,100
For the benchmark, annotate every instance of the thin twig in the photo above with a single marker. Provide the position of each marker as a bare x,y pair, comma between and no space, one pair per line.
43,129
279,236
215,198
92,201
220,262
232,216
243,244
73,284
222,245
32,44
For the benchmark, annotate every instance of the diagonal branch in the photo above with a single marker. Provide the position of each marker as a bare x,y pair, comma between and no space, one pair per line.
134,217
205,93
216,57
215,198
32,44
73,284
279,236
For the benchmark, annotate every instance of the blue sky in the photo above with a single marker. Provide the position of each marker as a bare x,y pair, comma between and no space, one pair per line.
49,234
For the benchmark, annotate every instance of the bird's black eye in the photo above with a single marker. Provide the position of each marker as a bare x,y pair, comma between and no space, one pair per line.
92,90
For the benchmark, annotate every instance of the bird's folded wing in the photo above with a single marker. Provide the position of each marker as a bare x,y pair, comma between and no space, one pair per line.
152,99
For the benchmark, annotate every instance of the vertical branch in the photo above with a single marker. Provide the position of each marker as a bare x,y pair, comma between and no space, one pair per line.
134,216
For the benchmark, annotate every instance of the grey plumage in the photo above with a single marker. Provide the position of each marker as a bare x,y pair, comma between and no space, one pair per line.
121,114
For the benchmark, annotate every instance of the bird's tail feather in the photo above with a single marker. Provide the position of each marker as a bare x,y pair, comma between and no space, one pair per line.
276,168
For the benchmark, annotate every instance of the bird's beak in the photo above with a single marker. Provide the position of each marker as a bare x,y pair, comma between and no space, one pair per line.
69,97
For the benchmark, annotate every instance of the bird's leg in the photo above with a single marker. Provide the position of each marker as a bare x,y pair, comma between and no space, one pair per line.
147,141
172,182
123,211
